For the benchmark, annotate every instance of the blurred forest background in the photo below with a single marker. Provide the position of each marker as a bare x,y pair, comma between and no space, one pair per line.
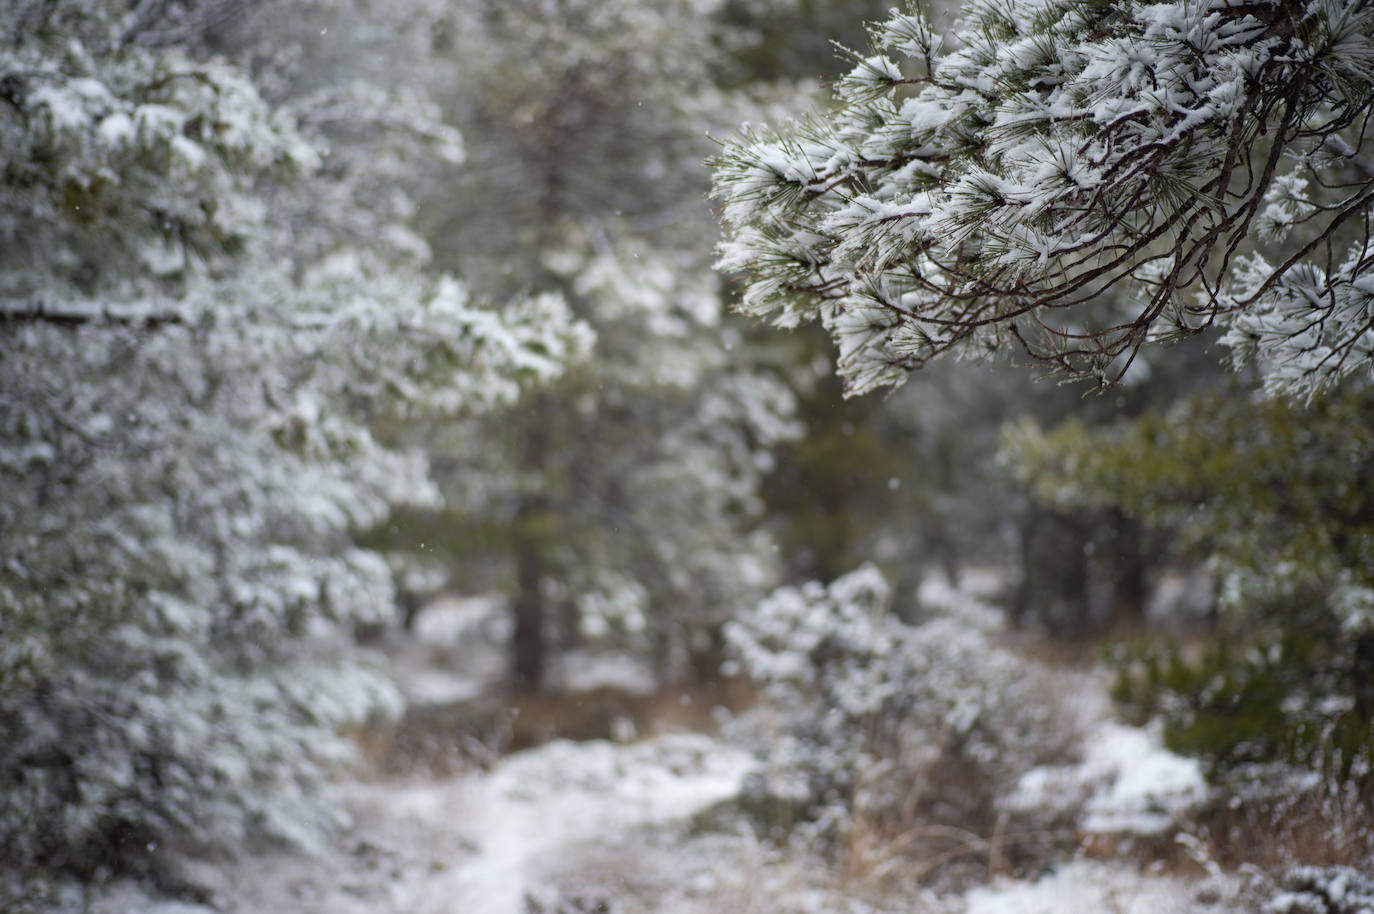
314,313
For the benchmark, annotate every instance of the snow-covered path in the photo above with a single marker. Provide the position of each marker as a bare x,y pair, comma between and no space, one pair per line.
482,844
609,827
539,806
598,826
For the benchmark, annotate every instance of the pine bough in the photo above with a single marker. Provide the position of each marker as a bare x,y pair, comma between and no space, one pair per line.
1073,180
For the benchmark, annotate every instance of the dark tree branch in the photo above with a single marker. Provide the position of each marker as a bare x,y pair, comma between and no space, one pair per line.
39,312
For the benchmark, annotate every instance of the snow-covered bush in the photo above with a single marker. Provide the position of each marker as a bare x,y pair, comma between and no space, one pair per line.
1323,890
879,722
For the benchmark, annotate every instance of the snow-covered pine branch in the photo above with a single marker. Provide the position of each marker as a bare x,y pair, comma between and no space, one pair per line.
1073,180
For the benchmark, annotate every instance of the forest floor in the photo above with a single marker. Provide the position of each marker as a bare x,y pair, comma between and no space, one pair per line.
579,828
634,826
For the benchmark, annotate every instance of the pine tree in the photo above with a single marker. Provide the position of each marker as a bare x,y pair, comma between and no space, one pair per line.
195,367
1073,181
624,499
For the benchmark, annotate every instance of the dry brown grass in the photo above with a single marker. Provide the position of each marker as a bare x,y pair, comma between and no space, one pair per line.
1268,837
951,830
951,858
1304,828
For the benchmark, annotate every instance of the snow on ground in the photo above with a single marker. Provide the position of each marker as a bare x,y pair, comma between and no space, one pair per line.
454,653
1145,786
450,619
1126,782
541,805
438,687
583,671
598,826
486,843
1086,887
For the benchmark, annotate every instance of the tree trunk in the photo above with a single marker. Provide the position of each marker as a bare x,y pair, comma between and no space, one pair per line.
1131,572
528,650
531,541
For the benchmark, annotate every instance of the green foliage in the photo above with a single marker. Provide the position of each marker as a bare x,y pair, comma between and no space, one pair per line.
1278,499
910,482
839,487
1277,495
1297,696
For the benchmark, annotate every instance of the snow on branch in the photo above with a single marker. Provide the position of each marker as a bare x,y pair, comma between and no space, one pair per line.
76,314
1075,181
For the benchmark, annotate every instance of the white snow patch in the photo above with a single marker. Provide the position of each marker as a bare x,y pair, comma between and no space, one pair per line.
1126,782
537,806
966,602
449,655
1084,887
585,671
1150,787
425,686
449,619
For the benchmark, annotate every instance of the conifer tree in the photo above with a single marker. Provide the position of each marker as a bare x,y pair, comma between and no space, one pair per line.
194,365
624,499
1073,181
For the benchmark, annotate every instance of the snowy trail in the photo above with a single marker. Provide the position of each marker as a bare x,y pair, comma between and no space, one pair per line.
1085,887
481,843
573,827
537,826
538,807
